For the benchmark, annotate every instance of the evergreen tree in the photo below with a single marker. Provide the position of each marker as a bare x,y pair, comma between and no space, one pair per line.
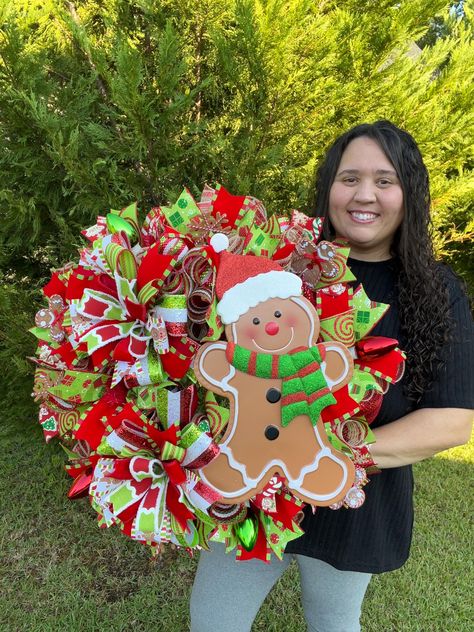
106,102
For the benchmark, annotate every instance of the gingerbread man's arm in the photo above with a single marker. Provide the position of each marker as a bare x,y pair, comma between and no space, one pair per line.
213,369
338,364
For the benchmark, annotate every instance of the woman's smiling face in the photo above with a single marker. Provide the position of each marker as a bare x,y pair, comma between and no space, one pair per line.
366,200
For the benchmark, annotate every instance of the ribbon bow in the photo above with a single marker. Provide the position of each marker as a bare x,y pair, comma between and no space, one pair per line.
152,481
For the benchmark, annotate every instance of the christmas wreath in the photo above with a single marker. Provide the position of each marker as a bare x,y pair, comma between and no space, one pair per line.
115,379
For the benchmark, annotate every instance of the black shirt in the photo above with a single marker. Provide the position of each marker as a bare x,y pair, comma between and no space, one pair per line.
377,536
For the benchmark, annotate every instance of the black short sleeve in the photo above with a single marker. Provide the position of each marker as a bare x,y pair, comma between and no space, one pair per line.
453,386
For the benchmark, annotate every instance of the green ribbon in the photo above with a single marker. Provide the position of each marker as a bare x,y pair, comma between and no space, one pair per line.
147,397
367,313
180,214
121,260
86,387
42,334
265,239
278,538
155,368
190,434
246,216
216,328
360,383
173,301
334,440
226,535
171,452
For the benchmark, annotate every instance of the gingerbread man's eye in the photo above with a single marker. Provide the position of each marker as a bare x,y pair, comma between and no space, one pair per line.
256,321
277,314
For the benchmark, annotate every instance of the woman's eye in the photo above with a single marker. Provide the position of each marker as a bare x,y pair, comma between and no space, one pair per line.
384,182
277,314
256,321
350,180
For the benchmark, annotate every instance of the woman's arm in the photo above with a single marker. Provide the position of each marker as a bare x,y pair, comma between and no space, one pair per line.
421,434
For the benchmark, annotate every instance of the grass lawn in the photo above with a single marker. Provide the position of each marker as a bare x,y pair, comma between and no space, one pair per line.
58,571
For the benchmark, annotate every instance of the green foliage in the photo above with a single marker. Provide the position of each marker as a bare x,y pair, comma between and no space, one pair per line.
106,102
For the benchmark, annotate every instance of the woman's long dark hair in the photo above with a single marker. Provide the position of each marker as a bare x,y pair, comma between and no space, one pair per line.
423,297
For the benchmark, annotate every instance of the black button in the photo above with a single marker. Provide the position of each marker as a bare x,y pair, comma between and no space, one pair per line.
271,433
273,395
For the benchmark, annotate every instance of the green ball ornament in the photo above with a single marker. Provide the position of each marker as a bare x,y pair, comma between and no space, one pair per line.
247,531
115,224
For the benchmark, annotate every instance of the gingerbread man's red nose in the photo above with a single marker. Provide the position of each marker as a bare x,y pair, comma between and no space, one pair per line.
272,329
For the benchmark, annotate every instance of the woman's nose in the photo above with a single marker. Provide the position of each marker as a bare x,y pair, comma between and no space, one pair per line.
365,192
272,328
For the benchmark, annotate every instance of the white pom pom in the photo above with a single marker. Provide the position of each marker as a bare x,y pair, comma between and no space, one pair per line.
219,242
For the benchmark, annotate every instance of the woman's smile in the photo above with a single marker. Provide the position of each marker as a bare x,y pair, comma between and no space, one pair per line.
363,217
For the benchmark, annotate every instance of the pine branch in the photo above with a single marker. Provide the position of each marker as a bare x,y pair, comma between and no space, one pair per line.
198,66
99,80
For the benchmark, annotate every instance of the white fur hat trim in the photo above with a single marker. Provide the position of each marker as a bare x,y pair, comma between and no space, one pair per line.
241,297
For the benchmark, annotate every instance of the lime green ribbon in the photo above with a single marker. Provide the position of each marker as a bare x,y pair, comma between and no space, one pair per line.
79,386
181,213
171,452
367,313
265,238
360,383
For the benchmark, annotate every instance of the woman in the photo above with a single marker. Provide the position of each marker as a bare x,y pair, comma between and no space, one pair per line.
372,189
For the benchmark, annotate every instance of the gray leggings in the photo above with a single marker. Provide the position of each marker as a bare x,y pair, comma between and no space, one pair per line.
227,594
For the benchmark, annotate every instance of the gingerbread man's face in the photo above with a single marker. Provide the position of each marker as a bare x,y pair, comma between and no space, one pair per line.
276,326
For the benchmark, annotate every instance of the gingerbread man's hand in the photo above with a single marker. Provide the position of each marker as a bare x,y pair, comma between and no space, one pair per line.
338,364
212,368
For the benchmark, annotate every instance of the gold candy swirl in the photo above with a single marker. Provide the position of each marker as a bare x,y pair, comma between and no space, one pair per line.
67,421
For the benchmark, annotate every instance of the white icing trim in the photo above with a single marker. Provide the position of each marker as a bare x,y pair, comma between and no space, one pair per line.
332,382
295,484
304,305
257,289
221,384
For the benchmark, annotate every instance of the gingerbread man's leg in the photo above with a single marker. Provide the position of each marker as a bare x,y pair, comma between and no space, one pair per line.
226,479
327,478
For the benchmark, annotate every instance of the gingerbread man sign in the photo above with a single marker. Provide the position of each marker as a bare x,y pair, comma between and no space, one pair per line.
278,379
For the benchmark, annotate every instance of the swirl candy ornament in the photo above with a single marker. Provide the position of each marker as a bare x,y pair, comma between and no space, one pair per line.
114,367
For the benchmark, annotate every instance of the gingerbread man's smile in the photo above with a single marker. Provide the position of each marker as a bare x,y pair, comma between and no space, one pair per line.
280,348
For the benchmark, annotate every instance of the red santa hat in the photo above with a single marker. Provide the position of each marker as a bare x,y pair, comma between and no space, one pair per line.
245,281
